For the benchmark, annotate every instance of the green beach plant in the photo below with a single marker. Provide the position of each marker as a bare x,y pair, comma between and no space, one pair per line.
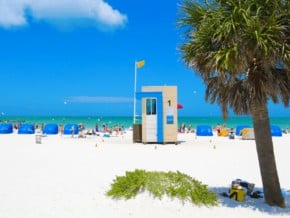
172,184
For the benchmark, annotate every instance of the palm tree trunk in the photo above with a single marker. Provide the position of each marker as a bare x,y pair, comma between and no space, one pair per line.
266,156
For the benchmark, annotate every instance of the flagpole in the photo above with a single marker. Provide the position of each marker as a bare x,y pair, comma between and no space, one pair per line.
135,85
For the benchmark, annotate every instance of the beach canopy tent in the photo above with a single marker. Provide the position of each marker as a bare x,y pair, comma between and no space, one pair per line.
204,130
50,129
70,129
26,129
240,128
223,132
248,133
276,131
6,128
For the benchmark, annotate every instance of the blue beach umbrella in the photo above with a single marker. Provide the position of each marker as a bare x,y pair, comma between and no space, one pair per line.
6,128
50,129
26,129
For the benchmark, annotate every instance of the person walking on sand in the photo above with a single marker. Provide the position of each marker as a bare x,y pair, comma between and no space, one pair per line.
72,131
61,129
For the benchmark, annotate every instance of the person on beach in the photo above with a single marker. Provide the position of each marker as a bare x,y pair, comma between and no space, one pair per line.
122,129
117,129
60,128
96,128
189,129
104,128
72,131
182,128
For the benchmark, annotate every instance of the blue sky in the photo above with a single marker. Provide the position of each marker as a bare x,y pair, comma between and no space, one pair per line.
63,57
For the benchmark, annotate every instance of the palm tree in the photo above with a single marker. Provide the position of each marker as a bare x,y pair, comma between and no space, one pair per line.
241,50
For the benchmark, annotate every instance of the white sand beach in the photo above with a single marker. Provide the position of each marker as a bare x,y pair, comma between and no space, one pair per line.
66,177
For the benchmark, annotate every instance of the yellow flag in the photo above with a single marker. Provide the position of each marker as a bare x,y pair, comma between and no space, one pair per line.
140,63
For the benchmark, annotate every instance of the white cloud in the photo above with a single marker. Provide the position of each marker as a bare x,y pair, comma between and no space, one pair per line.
97,99
76,12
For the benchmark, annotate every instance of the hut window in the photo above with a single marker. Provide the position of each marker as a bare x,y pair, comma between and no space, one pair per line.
151,106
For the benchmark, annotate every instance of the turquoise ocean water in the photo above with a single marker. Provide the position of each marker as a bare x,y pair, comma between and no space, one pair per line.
127,122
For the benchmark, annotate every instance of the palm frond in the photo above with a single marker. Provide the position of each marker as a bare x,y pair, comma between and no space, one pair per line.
235,46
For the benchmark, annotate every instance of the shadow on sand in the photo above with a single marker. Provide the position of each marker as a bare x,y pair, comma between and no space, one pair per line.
256,204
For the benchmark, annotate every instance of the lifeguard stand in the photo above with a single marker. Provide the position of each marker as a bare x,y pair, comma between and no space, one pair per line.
159,114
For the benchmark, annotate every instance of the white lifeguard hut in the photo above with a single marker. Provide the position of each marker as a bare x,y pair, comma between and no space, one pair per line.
159,114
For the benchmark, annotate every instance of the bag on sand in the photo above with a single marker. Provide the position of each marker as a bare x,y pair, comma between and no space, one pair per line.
240,188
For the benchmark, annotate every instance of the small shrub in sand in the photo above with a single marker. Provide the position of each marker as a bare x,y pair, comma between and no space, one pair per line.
172,184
